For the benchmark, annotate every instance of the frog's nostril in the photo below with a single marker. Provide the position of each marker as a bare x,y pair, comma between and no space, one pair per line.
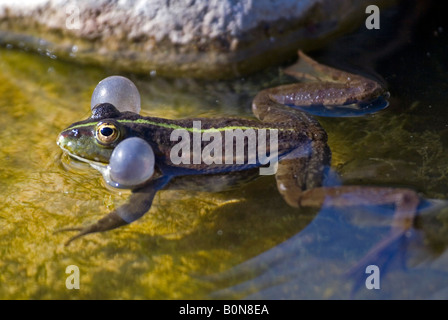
62,141
63,134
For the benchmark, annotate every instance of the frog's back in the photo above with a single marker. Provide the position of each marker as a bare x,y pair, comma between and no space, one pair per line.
204,144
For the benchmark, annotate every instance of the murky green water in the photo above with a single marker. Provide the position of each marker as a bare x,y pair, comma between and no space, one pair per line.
187,235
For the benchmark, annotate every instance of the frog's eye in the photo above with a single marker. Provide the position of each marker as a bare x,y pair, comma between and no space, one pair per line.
107,133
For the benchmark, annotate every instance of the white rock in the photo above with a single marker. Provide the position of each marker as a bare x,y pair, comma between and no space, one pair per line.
205,38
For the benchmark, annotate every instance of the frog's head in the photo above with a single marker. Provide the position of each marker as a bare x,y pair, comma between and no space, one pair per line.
93,139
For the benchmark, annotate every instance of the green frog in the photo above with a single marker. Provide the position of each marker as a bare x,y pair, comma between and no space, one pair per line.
302,154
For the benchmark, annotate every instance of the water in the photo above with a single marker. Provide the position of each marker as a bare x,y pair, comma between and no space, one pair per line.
185,233
186,245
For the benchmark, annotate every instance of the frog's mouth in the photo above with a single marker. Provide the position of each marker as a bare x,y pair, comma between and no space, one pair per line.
67,147
100,166
74,162
81,159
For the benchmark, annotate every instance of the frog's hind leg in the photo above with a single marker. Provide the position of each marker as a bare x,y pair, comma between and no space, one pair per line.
299,180
405,201
307,69
329,92
304,167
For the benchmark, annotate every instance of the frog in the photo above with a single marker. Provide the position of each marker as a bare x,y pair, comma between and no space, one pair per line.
303,157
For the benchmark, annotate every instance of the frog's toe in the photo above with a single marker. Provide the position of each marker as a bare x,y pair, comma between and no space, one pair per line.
68,229
82,232
109,222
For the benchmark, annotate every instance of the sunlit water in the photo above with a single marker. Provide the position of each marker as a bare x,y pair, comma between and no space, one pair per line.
184,247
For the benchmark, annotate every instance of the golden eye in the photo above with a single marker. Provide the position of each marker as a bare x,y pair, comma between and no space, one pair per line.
106,133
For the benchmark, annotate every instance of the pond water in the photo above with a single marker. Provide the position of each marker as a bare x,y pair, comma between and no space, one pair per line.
239,243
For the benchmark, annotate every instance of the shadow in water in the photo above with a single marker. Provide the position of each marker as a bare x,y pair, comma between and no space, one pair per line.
318,262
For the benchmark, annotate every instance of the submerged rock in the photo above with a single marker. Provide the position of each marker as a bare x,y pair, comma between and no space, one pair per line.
195,38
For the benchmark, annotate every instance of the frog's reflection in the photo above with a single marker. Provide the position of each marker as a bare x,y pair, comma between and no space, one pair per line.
327,260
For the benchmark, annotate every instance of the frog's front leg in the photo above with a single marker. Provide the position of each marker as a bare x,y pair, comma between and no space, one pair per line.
137,205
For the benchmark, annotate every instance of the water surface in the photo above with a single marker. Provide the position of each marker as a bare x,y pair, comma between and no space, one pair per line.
188,238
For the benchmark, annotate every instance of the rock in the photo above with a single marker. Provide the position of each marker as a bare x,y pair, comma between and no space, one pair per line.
194,38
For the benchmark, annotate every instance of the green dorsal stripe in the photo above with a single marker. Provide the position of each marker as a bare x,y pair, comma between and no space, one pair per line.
175,126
